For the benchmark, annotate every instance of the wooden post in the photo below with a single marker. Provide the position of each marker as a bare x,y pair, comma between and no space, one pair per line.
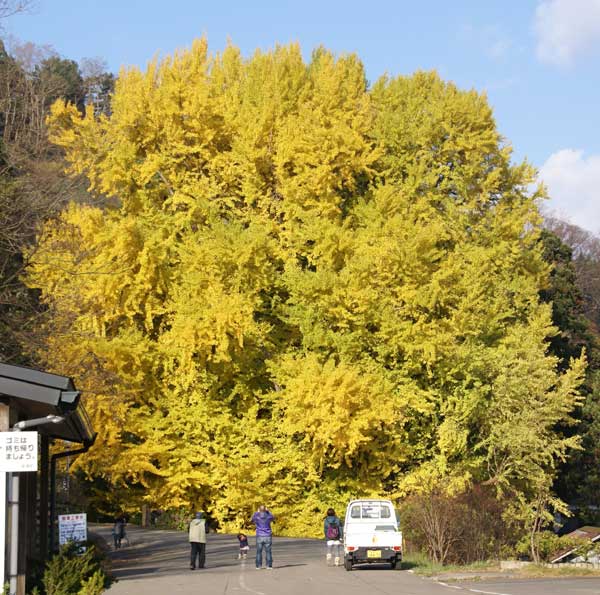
26,527
44,491
4,427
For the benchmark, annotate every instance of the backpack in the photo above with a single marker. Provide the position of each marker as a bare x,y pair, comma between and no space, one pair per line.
333,531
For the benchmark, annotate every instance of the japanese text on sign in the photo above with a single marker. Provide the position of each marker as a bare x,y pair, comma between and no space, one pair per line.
72,527
18,451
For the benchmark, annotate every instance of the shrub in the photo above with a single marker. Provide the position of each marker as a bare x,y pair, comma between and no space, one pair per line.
71,572
548,544
461,529
428,523
93,585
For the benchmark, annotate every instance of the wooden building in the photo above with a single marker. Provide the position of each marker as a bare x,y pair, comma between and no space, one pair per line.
49,404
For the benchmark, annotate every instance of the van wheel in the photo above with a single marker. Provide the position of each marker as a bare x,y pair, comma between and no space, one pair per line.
348,563
396,564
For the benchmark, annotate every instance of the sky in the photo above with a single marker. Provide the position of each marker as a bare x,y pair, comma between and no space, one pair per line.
537,60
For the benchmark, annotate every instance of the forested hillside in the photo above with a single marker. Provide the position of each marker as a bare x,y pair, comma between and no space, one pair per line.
33,186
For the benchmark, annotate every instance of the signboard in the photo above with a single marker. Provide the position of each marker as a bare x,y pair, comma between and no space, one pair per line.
18,451
72,527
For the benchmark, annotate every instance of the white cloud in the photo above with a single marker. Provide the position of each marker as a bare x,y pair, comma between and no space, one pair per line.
566,29
573,182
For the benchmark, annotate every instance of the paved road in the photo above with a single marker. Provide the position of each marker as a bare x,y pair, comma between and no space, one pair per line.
156,563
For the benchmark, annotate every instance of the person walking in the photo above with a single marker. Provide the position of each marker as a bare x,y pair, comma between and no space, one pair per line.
262,520
197,538
333,536
118,530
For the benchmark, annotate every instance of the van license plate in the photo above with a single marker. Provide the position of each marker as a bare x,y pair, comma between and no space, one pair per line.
373,553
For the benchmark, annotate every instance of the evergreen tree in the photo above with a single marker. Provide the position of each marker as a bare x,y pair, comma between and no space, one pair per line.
578,481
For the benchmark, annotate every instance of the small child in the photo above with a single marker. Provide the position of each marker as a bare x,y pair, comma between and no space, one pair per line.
244,547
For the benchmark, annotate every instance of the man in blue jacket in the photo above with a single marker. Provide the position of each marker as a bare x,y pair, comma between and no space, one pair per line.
262,519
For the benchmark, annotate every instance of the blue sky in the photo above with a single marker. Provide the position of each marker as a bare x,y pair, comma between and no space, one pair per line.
536,59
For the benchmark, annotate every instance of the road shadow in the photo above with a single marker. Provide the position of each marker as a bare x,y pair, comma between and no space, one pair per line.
276,566
126,573
411,565
367,567
210,564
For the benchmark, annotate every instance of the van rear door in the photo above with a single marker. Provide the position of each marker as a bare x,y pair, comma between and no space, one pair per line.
367,516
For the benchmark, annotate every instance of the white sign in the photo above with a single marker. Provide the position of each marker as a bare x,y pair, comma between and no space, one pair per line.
18,451
72,527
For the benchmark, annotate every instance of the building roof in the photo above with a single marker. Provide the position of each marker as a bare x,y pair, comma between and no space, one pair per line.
586,533
34,393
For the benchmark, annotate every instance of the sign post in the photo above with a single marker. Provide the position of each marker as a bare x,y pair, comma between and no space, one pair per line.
3,495
18,453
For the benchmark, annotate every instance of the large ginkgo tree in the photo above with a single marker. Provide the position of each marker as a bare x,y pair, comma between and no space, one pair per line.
292,288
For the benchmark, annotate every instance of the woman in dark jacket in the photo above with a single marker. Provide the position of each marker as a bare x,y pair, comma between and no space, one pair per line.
118,531
333,530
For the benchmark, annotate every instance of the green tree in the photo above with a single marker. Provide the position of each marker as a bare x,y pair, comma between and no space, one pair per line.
568,311
586,261
578,481
60,78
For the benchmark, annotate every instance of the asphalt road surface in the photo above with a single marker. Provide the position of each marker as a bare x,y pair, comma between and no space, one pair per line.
156,562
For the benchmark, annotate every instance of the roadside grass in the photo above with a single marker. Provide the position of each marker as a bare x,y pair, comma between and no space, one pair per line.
420,564
539,571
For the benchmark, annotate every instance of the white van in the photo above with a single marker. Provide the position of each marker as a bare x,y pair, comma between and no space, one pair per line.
372,534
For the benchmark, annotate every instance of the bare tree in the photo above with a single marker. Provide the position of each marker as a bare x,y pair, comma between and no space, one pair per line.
9,8
98,84
28,55
433,518
93,67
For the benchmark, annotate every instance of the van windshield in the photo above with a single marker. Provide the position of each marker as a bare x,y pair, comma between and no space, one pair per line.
370,511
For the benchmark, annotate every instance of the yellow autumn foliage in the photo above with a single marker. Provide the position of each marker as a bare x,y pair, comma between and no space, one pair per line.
296,289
